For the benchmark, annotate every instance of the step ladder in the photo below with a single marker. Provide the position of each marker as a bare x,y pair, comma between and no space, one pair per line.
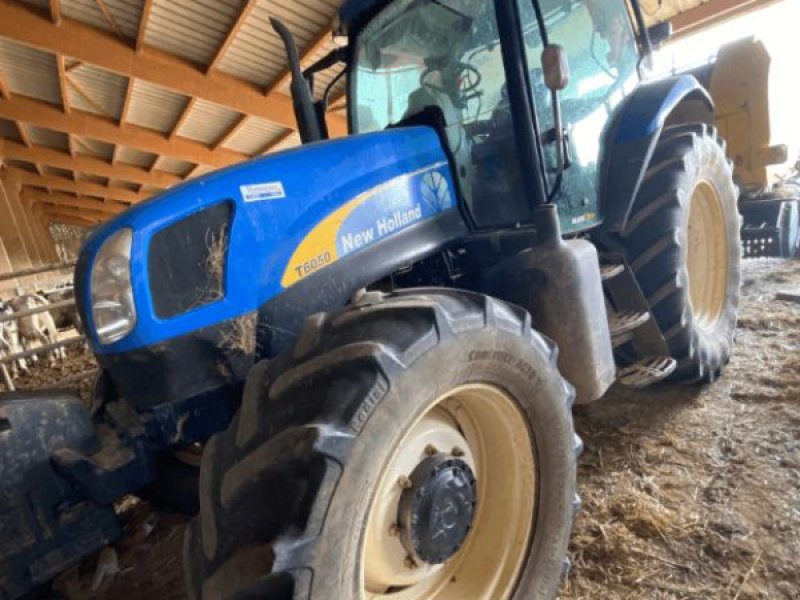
637,341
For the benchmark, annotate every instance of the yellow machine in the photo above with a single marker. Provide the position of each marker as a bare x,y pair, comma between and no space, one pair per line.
739,81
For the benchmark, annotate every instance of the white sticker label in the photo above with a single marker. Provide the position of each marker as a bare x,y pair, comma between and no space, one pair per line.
263,191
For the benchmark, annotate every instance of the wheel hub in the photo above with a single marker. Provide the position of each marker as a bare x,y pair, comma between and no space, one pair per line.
437,509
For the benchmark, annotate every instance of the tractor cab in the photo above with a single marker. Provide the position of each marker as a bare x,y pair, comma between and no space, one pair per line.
478,65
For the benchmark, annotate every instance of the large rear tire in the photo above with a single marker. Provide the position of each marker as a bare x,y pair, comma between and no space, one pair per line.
416,446
682,242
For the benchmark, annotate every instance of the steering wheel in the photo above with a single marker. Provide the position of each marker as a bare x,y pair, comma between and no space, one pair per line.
469,79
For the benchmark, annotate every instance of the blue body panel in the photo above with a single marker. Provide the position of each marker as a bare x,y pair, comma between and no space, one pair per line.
651,104
631,140
330,198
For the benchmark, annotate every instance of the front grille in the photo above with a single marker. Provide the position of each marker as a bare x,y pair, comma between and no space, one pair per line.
187,262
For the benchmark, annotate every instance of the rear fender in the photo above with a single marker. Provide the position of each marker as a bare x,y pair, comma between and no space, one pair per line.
632,137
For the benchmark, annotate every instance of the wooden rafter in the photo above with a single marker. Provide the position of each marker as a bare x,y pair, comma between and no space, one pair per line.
24,134
112,22
52,217
55,11
70,216
87,164
126,104
99,128
248,7
80,187
24,26
231,132
5,91
187,110
73,202
143,20
711,11
62,83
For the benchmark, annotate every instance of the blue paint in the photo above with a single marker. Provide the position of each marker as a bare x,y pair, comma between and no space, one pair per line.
649,106
318,179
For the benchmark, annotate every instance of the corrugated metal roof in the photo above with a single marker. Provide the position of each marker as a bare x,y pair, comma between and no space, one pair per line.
132,156
94,148
30,72
254,136
208,122
105,89
191,29
126,14
47,137
155,107
174,166
257,54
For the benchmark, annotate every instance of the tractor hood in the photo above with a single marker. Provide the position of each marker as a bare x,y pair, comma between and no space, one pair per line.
223,245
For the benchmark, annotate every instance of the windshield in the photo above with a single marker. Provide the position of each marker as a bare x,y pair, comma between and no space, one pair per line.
418,54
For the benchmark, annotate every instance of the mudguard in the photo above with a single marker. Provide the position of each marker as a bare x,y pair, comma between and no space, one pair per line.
632,137
46,525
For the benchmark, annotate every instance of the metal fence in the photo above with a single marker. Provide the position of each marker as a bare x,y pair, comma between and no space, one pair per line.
80,338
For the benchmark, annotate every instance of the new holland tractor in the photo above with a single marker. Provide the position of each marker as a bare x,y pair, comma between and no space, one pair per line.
361,333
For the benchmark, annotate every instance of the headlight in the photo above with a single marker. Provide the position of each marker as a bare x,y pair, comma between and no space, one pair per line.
112,295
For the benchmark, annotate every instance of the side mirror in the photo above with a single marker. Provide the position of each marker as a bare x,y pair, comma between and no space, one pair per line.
555,70
555,67
659,34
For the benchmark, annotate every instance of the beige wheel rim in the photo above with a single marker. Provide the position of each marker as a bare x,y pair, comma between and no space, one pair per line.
707,255
484,427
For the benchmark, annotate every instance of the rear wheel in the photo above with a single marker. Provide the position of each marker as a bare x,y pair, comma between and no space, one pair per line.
682,242
418,446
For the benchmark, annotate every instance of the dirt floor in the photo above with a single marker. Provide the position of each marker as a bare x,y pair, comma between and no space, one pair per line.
687,492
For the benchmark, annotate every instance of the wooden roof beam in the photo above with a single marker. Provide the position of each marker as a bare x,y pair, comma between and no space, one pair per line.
60,219
248,7
86,164
703,15
24,26
5,91
84,188
143,20
62,83
92,126
55,12
71,202
187,110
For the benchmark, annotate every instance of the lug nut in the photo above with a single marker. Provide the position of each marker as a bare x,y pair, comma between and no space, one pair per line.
394,530
405,483
457,452
430,450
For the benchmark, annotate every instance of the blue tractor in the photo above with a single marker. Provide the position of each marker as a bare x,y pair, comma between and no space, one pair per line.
361,333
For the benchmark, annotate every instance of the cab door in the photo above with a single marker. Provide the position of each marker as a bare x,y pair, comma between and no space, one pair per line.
599,42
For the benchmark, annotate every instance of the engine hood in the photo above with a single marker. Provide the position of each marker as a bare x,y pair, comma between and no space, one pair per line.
292,214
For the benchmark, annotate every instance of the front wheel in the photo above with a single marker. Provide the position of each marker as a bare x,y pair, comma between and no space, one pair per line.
418,446
682,242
